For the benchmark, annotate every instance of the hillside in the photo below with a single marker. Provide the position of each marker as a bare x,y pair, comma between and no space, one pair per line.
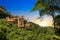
10,31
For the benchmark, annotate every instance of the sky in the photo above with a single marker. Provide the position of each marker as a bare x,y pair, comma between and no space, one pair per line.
47,21
23,8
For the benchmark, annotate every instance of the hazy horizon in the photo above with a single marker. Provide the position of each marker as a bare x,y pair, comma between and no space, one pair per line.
24,7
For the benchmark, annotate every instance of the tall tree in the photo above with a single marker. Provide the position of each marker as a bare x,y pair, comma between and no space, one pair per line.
47,7
57,20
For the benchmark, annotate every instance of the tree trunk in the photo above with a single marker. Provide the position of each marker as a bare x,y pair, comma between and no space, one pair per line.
53,18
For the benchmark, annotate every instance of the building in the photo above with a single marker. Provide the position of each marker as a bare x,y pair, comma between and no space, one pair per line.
27,25
12,19
19,20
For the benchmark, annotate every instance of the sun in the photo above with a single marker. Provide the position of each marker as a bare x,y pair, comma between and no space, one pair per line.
43,24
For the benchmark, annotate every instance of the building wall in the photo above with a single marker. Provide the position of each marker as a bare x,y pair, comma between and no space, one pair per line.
19,20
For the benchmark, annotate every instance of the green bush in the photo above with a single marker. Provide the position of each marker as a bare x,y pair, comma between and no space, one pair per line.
10,31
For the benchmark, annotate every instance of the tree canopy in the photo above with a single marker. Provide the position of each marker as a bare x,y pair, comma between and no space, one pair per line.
3,12
10,31
49,7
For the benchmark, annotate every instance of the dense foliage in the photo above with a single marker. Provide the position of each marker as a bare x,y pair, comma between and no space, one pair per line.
49,7
57,20
10,31
3,12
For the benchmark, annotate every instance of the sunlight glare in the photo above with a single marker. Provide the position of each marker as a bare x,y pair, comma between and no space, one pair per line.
43,24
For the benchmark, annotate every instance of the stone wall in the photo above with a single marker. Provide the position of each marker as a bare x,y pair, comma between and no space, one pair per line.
19,20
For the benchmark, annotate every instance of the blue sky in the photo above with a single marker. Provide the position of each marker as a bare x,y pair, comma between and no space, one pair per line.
20,7
23,7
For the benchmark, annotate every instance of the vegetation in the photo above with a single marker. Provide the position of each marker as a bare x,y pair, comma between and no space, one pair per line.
48,7
57,20
3,12
10,31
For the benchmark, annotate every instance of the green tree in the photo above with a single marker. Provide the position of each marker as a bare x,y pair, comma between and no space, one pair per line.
57,20
47,7
10,31
3,12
